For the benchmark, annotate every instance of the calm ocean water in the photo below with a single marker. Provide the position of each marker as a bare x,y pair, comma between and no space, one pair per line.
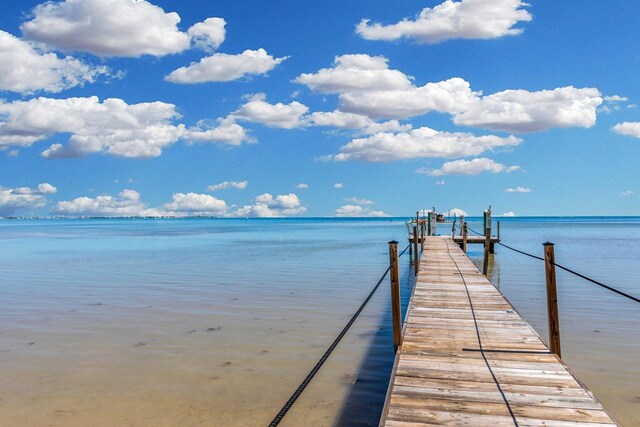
185,322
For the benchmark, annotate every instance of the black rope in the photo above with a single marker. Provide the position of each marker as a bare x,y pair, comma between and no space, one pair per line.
327,353
475,321
568,270
598,283
521,252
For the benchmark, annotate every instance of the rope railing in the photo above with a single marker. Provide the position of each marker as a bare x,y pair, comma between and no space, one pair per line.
567,269
278,418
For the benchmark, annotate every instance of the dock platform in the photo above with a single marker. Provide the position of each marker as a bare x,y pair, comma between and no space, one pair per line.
468,358
458,239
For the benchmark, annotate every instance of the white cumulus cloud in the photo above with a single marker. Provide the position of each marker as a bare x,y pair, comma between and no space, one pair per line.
350,210
112,127
449,96
24,198
193,204
117,28
222,67
628,129
457,212
627,193
266,206
358,211
257,109
355,73
420,143
341,120
615,98
126,203
472,167
302,186
225,130
521,111
357,201
466,19
239,185
518,190
366,86
209,34
508,214
26,69
338,185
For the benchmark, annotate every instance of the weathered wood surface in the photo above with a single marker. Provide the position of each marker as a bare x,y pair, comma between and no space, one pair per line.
441,376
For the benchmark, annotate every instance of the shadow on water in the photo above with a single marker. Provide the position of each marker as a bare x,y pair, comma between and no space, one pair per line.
365,401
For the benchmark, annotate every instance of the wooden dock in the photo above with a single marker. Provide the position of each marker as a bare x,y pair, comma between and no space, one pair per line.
468,358
458,239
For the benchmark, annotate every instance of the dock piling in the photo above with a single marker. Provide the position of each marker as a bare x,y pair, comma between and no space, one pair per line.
464,237
394,275
487,242
453,227
552,298
416,261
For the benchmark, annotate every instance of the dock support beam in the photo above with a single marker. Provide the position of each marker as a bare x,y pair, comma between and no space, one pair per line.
552,298
394,275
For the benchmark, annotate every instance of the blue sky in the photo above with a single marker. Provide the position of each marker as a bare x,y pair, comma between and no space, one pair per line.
319,108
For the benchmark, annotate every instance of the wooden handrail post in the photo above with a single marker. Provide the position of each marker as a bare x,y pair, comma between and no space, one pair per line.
487,242
416,261
461,223
429,231
394,275
422,236
498,231
464,237
552,298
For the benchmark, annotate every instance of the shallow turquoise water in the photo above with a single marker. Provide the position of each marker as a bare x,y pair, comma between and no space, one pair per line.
191,321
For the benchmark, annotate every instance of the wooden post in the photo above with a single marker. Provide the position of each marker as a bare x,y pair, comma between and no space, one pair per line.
487,243
464,237
434,218
498,230
422,236
410,252
394,275
484,223
461,223
429,233
453,227
416,262
552,299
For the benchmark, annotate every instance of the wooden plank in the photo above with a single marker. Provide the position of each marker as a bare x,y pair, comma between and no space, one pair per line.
480,367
